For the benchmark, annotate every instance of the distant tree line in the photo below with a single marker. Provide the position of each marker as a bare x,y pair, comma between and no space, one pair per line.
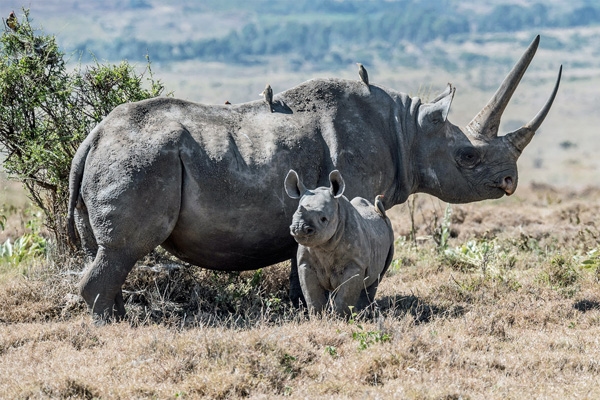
340,23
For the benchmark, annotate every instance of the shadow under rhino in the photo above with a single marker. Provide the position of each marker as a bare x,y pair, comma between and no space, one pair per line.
422,312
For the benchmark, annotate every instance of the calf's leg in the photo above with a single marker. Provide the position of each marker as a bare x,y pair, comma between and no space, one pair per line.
348,293
314,294
367,296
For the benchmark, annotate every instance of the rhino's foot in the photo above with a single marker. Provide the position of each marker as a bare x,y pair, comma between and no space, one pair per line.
101,284
296,297
105,310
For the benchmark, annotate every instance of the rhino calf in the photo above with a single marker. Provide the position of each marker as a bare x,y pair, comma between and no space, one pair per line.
344,247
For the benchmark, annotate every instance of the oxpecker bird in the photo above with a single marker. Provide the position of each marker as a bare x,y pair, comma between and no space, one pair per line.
268,95
362,72
12,21
379,206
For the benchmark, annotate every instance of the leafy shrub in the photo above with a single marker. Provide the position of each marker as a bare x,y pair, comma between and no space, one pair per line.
591,260
364,337
561,275
30,245
441,234
471,255
46,111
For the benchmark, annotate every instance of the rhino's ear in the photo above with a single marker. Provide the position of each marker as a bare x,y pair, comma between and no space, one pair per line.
337,183
445,93
293,185
433,115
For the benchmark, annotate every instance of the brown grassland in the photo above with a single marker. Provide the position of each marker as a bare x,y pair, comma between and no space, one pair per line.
497,300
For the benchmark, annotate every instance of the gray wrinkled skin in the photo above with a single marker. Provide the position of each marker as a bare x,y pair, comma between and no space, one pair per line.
344,247
204,181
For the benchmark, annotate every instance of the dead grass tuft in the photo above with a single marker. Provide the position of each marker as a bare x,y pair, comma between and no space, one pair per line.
69,389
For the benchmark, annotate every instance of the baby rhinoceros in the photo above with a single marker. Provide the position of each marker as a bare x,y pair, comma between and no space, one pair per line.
344,247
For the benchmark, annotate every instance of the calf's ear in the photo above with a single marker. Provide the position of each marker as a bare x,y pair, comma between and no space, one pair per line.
433,115
337,183
293,185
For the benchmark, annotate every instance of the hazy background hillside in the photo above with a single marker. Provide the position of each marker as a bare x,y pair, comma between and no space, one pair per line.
213,51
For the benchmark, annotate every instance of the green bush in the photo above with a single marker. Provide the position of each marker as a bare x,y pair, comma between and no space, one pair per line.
561,272
46,110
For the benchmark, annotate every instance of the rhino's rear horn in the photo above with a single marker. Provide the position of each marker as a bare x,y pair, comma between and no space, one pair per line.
522,136
487,121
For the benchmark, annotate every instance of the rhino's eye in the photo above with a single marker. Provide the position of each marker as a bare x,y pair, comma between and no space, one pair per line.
467,157
323,219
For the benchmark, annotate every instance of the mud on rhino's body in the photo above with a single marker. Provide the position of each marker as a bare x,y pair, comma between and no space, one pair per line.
205,181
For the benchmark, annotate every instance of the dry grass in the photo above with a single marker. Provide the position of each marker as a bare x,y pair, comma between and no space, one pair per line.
521,321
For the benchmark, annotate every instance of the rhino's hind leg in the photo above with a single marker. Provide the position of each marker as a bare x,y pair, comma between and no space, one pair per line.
134,196
102,280
367,295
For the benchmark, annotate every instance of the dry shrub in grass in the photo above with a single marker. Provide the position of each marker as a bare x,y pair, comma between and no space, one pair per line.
561,273
168,291
44,293
69,389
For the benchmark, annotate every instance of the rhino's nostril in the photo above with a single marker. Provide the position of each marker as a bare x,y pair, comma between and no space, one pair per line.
308,230
508,185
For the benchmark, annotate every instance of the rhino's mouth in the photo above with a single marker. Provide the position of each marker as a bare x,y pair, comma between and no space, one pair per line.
305,239
302,239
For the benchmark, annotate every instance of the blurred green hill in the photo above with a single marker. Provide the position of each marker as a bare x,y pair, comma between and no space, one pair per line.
323,34
214,51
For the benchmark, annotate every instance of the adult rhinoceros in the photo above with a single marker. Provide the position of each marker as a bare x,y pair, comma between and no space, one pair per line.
205,181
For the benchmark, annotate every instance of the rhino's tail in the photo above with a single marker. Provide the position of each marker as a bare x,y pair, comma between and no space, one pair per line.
75,177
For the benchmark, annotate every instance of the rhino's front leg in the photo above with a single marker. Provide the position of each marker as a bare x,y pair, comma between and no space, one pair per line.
314,294
295,293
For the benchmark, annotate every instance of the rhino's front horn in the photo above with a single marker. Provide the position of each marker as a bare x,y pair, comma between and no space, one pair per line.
522,136
486,123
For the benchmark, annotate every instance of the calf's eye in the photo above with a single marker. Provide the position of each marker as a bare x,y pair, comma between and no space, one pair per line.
323,219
